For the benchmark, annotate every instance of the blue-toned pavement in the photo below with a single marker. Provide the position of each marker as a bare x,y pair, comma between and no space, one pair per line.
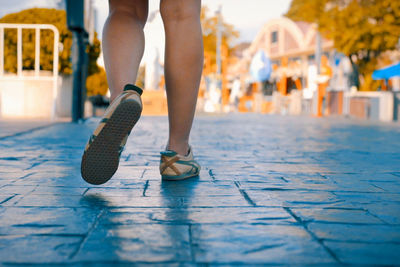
272,190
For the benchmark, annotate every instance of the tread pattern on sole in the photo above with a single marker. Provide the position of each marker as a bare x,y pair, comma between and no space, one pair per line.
100,161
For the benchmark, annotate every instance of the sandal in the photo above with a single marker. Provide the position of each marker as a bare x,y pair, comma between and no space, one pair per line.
177,167
100,159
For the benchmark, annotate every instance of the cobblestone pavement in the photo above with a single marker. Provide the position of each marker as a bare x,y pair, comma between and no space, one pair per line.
273,190
11,127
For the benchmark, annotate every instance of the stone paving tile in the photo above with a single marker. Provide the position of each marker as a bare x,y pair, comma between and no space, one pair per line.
78,201
85,263
386,211
5,182
391,187
355,233
59,190
293,198
59,200
53,179
11,189
110,192
268,244
151,243
10,127
366,198
42,220
14,165
222,215
272,190
6,197
345,182
192,187
300,182
10,199
336,215
366,253
37,249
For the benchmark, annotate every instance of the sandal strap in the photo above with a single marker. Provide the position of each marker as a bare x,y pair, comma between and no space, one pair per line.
169,163
134,88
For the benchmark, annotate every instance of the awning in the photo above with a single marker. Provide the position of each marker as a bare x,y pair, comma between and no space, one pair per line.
387,73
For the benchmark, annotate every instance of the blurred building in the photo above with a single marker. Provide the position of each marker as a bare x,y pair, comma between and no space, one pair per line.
290,46
296,84
283,37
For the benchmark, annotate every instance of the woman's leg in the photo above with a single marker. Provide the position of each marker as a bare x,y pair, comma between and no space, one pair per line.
123,42
123,45
183,67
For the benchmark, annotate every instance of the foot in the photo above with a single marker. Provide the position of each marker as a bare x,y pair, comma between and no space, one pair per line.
181,148
100,159
174,166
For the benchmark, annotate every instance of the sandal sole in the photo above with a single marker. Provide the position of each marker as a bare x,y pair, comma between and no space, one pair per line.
100,161
177,178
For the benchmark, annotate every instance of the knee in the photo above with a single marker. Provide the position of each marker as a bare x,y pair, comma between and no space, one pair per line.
136,10
179,10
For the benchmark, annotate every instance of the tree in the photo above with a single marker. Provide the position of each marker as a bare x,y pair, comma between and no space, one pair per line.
96,82
360,29
308,10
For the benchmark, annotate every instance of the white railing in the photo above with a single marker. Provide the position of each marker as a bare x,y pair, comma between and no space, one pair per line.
36,76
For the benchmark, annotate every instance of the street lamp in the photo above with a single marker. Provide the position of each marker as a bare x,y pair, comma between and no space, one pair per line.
318,50
219,41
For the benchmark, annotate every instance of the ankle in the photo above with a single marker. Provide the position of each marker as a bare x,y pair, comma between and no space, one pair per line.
114,95
182,148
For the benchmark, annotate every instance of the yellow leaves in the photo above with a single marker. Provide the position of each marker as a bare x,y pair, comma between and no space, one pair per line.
354,25
309,10
35,16
365,28
96,84
389,18
376,42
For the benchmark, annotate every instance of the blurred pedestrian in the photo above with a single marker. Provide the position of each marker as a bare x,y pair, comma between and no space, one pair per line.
235,93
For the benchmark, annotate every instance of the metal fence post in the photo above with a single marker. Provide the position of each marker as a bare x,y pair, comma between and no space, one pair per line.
76,23
79,66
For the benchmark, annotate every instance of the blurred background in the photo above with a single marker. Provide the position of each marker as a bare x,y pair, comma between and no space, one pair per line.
290,57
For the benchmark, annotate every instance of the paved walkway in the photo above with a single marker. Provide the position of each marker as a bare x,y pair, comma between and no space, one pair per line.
11,127
273,190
